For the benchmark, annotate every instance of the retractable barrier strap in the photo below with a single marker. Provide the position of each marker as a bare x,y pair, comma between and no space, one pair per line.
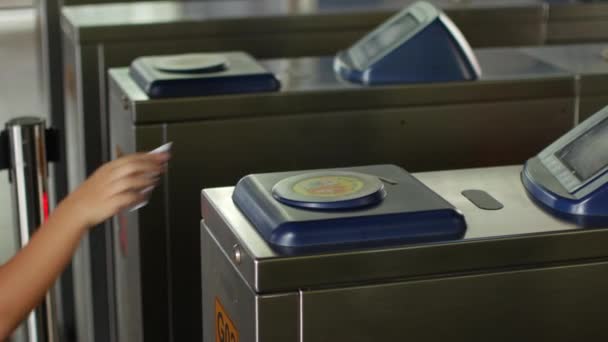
5,157
53,143
53,147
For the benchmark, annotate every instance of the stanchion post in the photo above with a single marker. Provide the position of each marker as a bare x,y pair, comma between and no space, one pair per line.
25,140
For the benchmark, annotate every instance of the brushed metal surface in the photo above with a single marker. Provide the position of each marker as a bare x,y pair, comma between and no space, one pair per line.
309,85
518,274
107,43
260,318
561,302
590,62
585,59
219,139
92,300
569,22
141,281
149,20
534,304
95,39
518,235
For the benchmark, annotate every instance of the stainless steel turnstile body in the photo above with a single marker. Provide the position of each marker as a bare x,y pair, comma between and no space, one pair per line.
517,275
315,121
97,37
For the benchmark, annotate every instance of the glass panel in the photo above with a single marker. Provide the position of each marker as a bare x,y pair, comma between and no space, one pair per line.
588,154
373,46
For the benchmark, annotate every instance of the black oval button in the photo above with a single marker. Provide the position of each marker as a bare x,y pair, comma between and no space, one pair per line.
482,199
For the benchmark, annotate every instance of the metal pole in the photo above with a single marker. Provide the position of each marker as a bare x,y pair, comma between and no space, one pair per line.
29,180
51,54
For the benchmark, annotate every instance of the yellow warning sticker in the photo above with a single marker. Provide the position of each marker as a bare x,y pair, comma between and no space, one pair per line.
225,330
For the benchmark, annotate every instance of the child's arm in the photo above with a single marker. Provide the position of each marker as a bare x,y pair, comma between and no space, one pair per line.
25,279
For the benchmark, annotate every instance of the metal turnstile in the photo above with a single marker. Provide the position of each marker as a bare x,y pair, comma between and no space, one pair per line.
92,44
517,274
97,37
520,105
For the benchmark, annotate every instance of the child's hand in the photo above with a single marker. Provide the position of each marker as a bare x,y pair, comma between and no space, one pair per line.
115,186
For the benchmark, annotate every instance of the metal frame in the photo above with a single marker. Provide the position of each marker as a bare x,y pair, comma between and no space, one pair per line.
384,124
517,257
91,46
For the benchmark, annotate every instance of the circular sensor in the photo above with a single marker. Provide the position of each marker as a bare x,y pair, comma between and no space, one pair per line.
192,63
330,190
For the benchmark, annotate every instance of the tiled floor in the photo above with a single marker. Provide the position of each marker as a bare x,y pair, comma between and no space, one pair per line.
20,94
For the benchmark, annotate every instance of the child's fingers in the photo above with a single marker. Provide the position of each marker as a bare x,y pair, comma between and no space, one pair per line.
148,167
127,200
126,160
162,157
133,183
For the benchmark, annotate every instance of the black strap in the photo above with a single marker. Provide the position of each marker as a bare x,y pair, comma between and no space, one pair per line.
5,156
53,148
53,145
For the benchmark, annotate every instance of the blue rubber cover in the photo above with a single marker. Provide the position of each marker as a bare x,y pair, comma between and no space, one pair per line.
589,211
243,75
410,213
